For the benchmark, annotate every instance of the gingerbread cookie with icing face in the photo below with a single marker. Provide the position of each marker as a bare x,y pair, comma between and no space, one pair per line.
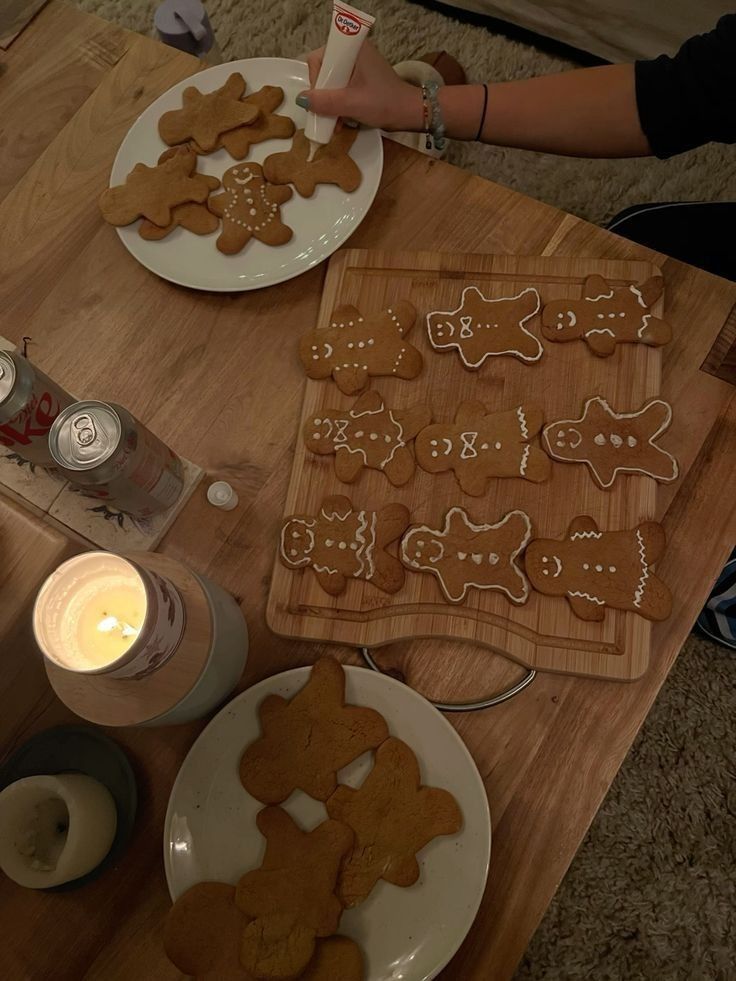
204,116
464,555
611,442
355,347
608,315
330,164
480,445
249,208
368,435
342,543
596,569
479,328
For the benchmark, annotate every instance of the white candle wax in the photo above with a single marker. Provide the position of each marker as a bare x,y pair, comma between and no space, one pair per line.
54,829
90,611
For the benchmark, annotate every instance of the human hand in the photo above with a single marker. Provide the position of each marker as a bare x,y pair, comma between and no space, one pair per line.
375,96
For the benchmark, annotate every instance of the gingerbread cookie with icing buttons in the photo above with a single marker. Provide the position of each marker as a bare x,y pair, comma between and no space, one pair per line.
393,817
480,328
611,442
368,435
204,116
305,740
480,445
305,169
608,315
250,208
343,542
356,347
595,570
464,555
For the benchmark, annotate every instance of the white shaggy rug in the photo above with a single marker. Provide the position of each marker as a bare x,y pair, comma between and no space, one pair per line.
652,891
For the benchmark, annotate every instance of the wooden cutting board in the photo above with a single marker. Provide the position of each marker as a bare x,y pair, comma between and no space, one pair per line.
543,633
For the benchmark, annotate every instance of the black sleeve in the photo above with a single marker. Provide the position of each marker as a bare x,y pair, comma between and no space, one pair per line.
690,99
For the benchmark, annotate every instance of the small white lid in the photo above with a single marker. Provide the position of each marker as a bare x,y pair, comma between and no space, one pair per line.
222,495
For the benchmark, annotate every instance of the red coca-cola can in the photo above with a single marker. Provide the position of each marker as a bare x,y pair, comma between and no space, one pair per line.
29,403
106,452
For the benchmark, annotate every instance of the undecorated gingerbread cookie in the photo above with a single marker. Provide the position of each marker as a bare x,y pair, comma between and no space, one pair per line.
291,898
330,164
204,116
612,442
249,208
481,328
335,959
480,445
268,125
342,543
203,933
608,315
306,739
597,569
193,217
368,435
464,555
152,192
355,347
393,818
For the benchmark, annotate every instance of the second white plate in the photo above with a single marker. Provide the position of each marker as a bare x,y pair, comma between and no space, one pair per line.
409,934
321,223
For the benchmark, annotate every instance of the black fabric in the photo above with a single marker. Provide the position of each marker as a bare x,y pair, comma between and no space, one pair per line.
701,234
690,99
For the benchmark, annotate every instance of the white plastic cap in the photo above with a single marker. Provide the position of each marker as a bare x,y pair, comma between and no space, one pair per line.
222,495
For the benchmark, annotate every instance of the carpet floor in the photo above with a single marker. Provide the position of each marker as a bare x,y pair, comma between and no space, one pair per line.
651,893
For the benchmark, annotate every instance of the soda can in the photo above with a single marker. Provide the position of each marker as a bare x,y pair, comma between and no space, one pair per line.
29,403
106,452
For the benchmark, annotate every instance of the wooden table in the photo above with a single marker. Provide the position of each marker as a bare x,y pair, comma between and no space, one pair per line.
217,377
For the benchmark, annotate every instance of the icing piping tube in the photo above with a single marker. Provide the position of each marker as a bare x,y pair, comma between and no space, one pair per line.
348,30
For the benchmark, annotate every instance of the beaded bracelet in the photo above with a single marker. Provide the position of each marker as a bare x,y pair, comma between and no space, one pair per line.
434,125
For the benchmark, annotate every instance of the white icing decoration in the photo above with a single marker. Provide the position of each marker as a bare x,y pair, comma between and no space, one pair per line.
307,526
616,440
585,534
593,599
600,440
456,344
524,460
522,422
639,591
618,417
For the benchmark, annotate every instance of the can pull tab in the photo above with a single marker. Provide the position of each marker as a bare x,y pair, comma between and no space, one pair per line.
84,430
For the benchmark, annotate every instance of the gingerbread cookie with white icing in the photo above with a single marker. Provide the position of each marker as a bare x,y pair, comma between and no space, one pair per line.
342,543
596,569
464,555
480,445
608,315
250,208
481,328
355,347
612,442
368,435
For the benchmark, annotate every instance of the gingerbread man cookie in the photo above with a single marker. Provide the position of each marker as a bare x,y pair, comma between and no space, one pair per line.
355,348
268,125
368,435
330,164
393,818
608,315
463,555
193,217
611,442
479,445
206,115
249,208
152,192
342,543
306,739
291,897
335,958
479,328
597,569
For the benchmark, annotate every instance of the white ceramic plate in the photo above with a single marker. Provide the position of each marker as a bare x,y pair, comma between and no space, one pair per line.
321,223
408,934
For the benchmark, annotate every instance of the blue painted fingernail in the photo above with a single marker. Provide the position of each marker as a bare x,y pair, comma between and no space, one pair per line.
302,101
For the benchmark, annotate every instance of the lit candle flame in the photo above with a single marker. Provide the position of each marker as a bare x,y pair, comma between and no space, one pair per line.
108,624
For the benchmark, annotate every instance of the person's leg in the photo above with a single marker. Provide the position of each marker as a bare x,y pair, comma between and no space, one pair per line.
702,235
694,232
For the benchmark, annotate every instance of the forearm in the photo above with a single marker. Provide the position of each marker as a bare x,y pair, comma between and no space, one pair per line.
588,112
